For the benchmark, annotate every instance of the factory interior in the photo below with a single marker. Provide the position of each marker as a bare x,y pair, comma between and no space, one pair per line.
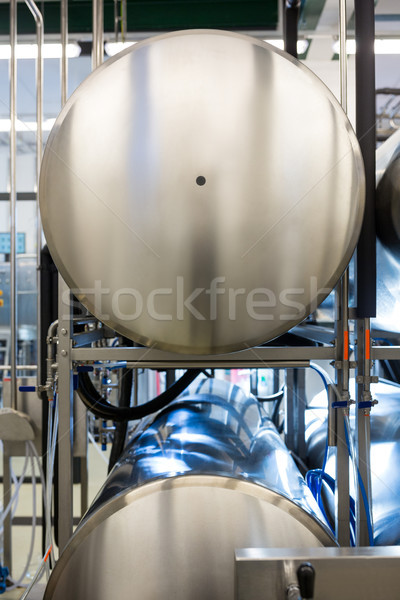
199,354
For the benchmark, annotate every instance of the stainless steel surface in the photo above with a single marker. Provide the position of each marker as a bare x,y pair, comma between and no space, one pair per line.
202,268
363,432
385,456
98,33
13,202
148,357
345,573
206,475
64,58
65,427
343,53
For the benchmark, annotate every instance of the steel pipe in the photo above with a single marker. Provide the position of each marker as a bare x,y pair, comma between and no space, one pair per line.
98,34
13,201
37,15
64,58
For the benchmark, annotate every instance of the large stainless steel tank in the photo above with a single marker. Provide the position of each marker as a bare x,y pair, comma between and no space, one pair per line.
206,475
202,192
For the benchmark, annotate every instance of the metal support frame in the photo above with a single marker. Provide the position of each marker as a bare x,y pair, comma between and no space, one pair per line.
363,430
37,15
291,12
65,428
364,13
13,201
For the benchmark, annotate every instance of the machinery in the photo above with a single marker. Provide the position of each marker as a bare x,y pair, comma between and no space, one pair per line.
206,475
201,194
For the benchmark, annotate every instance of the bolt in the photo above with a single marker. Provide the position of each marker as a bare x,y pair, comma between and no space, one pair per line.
63,353
64,331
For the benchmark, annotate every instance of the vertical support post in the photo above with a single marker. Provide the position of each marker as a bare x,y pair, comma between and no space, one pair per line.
65,428
98,37
7,542
364,13
64,58
13,202
37,15
291,12
295,411
342,492
363,431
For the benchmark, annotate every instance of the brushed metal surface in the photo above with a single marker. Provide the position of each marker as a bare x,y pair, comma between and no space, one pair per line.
202,192
346,573
213,428
206,476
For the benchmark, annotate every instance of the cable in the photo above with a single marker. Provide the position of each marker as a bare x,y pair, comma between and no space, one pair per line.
104,410
19,582
38,574
15,495
124,400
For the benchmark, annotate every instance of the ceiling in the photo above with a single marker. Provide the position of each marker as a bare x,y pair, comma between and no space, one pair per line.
318,23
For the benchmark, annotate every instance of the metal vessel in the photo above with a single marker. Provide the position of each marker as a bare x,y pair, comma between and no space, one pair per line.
205,476
213,189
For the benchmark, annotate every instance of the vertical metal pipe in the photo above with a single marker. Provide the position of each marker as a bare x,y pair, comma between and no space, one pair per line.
291,12
364,13
366,132
39,149
64,59
342,492
13,201
98,35
343,53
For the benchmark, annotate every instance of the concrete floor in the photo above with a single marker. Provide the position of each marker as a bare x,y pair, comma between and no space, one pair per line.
21,535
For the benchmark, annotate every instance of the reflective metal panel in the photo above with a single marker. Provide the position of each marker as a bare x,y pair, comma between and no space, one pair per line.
202,192
213,429
206,476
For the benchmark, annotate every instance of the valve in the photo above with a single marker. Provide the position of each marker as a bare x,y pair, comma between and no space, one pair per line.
4,573
306,579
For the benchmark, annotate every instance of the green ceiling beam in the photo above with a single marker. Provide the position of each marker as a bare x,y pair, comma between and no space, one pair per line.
152,15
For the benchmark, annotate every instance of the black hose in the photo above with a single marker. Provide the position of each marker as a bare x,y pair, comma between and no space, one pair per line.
104,410
124,400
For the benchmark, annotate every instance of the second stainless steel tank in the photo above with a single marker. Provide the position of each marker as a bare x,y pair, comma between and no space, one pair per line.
207,475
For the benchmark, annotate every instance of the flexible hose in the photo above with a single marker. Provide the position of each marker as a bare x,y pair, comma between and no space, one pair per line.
44,492
124,400
19,582
15,495
104,410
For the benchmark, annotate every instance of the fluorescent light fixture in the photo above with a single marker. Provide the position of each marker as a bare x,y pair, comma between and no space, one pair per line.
25,126
302,45
112,48
30,51
382,46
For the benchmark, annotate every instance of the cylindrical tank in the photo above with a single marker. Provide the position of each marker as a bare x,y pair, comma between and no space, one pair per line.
213,189
205,476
